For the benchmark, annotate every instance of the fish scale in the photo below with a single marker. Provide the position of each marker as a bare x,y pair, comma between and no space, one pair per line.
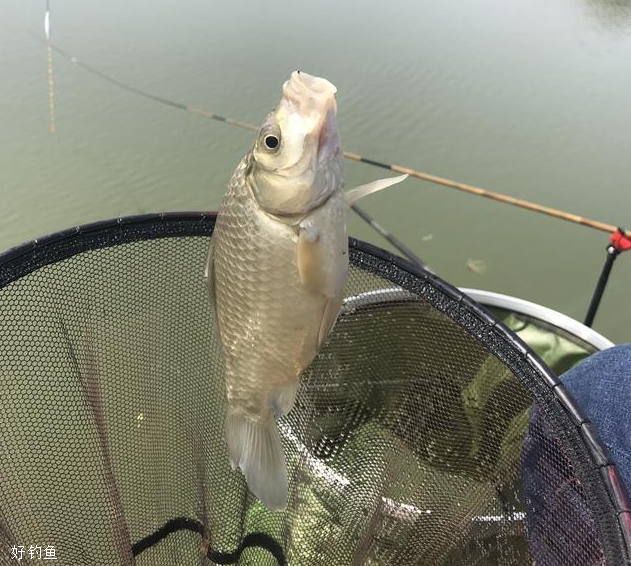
263,305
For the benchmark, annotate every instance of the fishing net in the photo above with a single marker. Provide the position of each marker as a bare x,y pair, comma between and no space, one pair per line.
561,342
425,433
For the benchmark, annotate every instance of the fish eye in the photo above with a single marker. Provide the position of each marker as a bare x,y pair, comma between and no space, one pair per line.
271,141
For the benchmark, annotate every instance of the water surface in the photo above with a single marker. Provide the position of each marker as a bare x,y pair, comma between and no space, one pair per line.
528,97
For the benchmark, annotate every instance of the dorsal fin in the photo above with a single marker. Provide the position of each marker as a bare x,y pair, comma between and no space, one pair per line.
357,193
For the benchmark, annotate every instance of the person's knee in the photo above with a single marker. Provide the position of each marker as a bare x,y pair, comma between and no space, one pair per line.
609,366
601,385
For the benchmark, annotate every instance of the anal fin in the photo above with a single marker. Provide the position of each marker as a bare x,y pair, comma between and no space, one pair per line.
283,398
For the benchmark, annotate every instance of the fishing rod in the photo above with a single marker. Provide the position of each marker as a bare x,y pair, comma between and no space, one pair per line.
621,239
618,243
435,179
396,243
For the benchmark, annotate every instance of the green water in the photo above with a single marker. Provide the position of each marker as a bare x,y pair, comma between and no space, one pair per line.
528,97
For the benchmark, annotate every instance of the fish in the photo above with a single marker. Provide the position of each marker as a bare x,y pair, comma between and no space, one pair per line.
276,270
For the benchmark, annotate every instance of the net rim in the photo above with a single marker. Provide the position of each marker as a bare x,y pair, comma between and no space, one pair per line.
541,313
26,258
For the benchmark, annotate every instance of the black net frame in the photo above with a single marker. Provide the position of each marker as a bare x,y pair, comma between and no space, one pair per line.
604,493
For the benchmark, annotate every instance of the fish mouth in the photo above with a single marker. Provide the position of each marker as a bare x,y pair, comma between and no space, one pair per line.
314,99
309,93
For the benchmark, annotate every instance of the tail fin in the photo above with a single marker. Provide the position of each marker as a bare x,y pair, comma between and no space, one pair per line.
256,448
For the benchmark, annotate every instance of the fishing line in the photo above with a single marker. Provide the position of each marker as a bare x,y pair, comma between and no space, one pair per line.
49,71
435,179
396,243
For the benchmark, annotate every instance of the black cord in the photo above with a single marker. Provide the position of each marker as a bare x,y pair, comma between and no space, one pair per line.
260,540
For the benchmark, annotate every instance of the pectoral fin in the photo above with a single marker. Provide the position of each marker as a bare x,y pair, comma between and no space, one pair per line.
357,193
331,312
311,259
322,274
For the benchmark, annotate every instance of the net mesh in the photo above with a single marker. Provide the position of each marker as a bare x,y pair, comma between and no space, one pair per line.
413,440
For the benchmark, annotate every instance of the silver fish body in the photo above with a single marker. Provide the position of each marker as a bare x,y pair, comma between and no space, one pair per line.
276,269
272,312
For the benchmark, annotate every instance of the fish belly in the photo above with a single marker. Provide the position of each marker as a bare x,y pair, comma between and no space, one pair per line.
269,322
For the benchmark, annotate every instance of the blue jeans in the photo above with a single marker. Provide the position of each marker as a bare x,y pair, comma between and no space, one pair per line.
602,386
561,528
